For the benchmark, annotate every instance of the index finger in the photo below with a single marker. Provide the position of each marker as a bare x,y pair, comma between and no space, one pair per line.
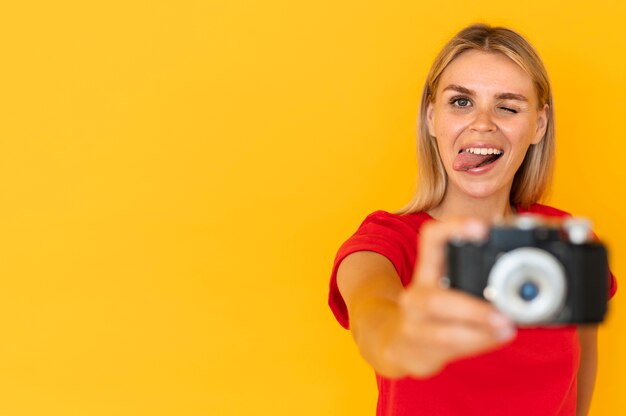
433,239
452,306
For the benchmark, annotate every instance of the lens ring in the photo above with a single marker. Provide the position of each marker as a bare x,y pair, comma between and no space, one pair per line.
521,266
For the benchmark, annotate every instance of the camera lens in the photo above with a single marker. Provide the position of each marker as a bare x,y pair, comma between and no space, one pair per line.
527,284
528,291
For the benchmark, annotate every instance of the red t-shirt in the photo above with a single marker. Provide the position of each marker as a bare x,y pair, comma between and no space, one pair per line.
533,375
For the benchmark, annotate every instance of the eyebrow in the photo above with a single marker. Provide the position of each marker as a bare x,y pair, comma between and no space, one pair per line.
502,96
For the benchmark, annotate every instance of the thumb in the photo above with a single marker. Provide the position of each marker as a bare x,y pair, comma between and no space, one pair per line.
432,246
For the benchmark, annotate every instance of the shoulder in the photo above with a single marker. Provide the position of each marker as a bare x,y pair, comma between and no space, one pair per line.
412,221
395,236
545,210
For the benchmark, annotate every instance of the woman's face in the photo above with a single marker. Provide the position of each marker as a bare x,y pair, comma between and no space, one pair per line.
484,117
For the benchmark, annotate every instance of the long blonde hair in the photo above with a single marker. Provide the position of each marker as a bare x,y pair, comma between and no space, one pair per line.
532,178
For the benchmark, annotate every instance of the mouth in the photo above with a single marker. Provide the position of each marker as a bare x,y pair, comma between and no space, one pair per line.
476,157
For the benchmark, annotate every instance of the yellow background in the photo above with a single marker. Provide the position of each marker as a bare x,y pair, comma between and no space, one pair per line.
175,178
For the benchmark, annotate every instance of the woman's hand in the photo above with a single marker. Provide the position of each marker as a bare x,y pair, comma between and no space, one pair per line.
418,330
436,325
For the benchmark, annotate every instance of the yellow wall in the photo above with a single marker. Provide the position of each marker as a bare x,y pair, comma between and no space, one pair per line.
176,177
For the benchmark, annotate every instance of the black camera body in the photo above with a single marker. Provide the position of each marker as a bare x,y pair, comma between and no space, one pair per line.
536,271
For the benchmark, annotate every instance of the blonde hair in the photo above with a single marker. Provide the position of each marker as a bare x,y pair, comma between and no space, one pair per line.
532,178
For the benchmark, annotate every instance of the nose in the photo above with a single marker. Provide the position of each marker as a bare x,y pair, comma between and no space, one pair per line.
483,122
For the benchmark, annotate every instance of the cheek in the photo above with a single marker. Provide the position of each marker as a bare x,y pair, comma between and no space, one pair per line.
518,132
450,127
446,152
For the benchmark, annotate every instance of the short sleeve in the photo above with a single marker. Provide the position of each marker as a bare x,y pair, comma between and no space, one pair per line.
612,285
393,236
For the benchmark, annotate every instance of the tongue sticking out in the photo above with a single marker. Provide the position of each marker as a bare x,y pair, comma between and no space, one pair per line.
465,160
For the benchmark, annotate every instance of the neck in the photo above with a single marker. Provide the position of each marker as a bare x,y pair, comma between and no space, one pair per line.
488,209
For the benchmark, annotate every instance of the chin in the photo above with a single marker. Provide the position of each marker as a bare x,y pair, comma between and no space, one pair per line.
481,190
479,193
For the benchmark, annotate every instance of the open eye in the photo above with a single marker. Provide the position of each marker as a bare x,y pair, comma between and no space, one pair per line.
461,102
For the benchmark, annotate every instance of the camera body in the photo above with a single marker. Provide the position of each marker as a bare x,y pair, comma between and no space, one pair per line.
536,271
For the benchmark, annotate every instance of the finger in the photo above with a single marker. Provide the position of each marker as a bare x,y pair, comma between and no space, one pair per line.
451,305
459,340
433,239
435,345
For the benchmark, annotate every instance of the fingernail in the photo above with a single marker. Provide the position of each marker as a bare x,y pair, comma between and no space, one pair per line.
506,334
497,320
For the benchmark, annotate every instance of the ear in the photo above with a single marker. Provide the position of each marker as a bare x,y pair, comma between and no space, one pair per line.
430,119
542,124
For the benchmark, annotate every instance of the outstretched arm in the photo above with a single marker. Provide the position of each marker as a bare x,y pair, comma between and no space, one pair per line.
416,331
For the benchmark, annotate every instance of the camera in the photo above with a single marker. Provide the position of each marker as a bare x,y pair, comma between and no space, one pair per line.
536,271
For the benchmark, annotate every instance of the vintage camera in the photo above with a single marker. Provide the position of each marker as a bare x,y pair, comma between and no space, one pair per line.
536,271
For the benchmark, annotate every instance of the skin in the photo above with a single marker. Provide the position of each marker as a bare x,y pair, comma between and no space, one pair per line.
481,117
483,100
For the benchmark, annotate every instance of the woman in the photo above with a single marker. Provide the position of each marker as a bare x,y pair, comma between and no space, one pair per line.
486,148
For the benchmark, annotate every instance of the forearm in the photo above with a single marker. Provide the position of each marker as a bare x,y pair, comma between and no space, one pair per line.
416,330
374,322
